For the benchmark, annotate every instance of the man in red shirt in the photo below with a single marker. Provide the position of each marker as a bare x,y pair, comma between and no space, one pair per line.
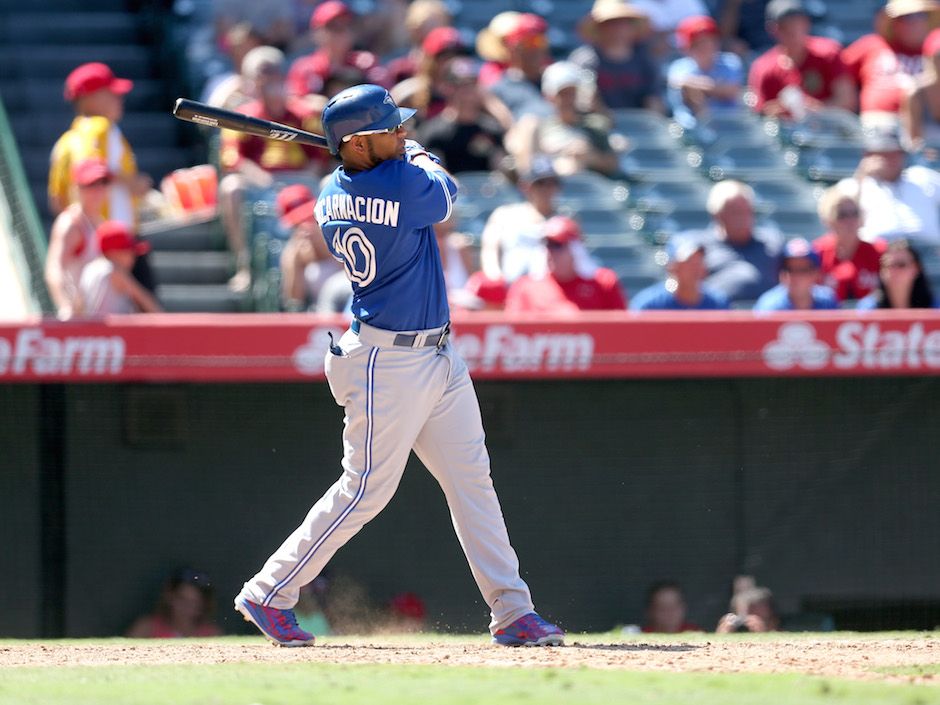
255,165
849,265
333,25
884,65
801,72
571,283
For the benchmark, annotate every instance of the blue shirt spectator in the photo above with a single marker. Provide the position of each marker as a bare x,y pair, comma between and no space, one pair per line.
682,290
705,80
798,289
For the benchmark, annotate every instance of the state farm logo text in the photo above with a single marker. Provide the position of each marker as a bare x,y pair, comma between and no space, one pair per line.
32,352
503,347
857,344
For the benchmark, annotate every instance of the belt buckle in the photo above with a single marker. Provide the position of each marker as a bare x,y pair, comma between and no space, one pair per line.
443,336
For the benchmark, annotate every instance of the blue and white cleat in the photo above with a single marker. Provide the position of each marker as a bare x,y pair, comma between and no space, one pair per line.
530,630
279,626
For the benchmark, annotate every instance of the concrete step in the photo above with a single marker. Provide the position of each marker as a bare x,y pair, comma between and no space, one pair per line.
141,128
39,95
192,267
184,237
57,6
48,62
29,27
210,298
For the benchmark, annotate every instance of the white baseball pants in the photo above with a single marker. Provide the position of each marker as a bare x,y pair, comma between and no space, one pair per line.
399,398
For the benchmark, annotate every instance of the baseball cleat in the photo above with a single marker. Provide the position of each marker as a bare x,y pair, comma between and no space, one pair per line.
279,626
530,630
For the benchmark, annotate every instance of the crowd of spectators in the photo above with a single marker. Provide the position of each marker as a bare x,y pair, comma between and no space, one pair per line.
506,100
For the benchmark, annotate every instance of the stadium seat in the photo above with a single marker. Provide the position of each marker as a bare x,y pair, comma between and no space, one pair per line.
790,193
655,164
643,127
742,162
656,228
668,196
736,127
820,129
827,164
793,224
592,190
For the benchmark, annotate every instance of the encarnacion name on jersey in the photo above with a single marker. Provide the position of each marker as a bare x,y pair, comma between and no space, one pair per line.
342,206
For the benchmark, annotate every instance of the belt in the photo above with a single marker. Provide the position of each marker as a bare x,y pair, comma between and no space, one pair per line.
435,337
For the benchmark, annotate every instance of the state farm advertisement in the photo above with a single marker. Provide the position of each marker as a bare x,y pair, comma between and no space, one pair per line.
292,347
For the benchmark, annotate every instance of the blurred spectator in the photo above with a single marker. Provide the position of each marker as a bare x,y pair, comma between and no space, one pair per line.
98,98
884,64
334,26
752,610
849,265
798,290
571,280
72,242
896,201
306,262
481,293
230,90
920,107
682,289
801,73
627,77
184,609
666,610
705,80
742,260
251,162
512,236
272,19
573,136
464,135
406,613
106,285
743,26
456,254
426,90
383,27
523,49
422,17
902,282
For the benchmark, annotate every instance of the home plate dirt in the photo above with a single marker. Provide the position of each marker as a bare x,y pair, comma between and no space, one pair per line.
848,657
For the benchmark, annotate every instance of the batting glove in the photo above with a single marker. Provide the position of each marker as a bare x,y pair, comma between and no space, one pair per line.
414,149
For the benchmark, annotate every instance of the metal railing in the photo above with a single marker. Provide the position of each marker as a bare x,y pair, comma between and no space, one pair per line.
25,227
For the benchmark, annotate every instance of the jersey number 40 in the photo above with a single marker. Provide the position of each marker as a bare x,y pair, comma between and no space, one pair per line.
357,254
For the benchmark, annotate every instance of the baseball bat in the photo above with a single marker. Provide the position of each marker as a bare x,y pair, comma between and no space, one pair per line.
202,114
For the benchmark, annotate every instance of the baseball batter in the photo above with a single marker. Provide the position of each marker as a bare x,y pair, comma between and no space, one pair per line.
402,385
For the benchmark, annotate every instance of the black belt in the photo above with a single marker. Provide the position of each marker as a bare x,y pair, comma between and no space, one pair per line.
407,340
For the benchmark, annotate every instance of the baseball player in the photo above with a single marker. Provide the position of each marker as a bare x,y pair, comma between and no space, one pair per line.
402,385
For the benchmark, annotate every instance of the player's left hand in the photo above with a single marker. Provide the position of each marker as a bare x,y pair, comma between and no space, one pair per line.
413,149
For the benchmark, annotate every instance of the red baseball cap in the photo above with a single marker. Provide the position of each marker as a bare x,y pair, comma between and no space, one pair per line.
92,77
441,39
113,236
561,229
527,26
89,171
295,203
932,44
327,12
691,28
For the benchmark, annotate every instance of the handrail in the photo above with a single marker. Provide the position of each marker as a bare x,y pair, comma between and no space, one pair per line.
26,231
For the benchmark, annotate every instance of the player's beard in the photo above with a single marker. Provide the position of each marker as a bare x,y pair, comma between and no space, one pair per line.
373,157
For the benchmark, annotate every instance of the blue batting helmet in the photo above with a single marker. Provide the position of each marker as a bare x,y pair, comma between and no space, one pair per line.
360,109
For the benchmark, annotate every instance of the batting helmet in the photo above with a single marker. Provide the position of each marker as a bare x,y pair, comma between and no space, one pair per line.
360,110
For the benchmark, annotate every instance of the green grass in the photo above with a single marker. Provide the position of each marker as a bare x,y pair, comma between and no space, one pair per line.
313,684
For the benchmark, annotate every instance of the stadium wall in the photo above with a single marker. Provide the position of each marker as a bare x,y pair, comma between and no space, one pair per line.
820,487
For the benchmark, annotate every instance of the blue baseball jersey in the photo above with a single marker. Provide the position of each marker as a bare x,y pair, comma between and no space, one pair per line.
377,223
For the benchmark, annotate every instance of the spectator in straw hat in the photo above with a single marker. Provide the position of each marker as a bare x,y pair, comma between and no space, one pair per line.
705,80
422,17
800,68
627,77
920,108
519,42
884,64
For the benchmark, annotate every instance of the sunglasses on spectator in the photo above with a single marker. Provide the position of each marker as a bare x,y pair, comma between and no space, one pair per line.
898,264
555,245
809,269
846,213
364,133
535,41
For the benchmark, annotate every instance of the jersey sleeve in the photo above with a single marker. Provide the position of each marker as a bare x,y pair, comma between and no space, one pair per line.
427,194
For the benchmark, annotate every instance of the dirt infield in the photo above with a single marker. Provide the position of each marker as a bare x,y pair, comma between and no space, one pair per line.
842,657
